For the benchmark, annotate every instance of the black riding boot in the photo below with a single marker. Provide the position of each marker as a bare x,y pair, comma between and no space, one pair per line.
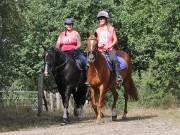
117,70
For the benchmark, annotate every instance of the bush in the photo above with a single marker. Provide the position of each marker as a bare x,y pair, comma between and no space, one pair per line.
152,94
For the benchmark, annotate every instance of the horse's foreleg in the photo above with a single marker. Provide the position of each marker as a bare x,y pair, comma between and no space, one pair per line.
100,103
114,110
126,88
65,98
93,101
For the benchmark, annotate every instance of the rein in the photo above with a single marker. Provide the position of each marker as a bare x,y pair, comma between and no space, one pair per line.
63,64
59,66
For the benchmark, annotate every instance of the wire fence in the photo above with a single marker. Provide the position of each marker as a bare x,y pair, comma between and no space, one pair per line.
19,99
41,100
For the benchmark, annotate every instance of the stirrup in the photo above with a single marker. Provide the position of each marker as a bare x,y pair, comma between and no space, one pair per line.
119,78
87,83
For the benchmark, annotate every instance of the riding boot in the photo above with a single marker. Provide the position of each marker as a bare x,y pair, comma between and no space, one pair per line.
117,70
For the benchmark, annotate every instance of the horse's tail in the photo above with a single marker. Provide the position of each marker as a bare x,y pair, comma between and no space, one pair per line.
133,93
129,85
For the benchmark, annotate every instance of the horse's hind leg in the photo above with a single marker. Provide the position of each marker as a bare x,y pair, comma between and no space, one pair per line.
114,110
93,101
123,73
126,88
79,98
76,103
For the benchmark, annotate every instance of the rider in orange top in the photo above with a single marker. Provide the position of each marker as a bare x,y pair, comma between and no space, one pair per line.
107,39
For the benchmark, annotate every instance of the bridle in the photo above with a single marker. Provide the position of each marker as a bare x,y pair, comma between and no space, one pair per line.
91,52
50,53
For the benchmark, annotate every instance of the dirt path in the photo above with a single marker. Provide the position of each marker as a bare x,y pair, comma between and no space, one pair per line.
140,122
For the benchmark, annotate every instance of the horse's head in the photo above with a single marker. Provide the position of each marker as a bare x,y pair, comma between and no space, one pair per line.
49,60
92,46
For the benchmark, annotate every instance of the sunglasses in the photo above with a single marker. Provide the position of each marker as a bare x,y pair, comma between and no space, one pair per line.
101,18
68,23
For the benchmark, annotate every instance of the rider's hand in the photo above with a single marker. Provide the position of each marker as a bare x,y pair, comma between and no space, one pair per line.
107,47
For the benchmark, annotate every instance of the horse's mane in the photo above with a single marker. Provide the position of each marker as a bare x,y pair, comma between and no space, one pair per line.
92,37
57,50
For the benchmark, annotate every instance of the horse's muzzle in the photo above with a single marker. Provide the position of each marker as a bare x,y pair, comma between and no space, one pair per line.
46,74
91,58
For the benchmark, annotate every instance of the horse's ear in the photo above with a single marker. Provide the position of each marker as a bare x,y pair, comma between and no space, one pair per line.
95,34
87,35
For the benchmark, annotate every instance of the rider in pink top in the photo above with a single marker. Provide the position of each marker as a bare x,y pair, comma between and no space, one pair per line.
107,39
70,40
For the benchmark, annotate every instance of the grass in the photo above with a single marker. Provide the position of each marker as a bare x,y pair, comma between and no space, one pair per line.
12,118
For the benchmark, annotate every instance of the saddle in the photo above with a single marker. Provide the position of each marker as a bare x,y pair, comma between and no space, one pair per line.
71,53
74,55
121,62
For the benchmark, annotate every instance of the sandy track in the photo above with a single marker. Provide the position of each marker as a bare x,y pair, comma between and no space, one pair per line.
139,123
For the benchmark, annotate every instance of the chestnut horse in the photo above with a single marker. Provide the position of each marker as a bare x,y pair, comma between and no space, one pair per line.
101,78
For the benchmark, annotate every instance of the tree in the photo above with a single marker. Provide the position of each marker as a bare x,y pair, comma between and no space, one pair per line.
10,20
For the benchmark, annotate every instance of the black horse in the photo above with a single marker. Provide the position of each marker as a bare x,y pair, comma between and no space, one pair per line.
69,77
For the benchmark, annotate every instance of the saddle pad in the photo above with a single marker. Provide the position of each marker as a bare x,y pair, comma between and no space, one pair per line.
121,61
79,63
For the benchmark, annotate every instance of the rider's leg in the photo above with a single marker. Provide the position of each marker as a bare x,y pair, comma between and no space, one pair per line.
116,64
84,63
84,60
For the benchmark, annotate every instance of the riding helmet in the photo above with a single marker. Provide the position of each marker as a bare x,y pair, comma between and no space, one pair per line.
68,20
103,14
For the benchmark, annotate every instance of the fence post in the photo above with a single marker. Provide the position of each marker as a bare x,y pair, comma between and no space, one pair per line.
40,92
1,95
51,101
58,101
45,100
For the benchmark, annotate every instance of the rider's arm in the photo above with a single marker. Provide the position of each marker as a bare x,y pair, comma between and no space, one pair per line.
58,43
114,40
78,41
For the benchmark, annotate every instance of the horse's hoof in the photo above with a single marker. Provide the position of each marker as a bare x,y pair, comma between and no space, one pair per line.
100,121
114,118
102,115
124,118
65,121
63,124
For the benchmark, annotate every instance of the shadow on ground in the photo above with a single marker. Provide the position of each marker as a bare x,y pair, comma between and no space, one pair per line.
136,118
15,120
